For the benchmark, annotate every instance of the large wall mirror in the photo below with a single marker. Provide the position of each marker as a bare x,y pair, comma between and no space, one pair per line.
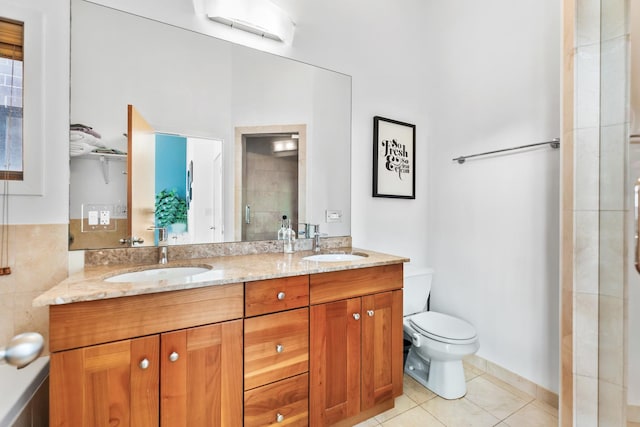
195,90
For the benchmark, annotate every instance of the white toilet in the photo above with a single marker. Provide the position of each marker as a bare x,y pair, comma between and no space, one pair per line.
438,341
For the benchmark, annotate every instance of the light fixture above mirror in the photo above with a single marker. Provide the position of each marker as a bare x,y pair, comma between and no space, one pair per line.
260,17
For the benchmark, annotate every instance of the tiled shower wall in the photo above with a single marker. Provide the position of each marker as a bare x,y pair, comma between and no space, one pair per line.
38,259
594,236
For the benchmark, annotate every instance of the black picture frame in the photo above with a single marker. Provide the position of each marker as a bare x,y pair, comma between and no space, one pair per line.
394,159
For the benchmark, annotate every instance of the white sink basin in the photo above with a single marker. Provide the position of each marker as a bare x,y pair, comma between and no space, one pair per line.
153,274
333,257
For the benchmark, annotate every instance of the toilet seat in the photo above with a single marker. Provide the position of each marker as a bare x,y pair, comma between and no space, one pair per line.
444,328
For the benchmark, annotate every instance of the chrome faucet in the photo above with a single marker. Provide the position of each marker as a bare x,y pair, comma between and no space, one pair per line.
162,244
316,238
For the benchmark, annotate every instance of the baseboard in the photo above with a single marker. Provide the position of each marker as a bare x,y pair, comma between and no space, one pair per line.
633,413
513,380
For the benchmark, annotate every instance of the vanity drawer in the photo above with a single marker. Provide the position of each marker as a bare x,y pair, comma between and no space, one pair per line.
284,403
339,285
276,346
269,296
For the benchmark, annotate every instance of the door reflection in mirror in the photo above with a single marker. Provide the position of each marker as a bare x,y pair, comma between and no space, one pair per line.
192,167
270,183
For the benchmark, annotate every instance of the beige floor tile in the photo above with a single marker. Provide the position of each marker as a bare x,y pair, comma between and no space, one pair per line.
416,391
632,424
371,422
546,407
459,412
402,404
532,416
492,398
415,417
511,389
470,371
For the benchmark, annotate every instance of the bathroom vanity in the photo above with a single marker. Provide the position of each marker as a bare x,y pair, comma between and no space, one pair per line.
257,340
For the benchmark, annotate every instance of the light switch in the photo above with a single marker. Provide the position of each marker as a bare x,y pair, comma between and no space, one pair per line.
92,217
333,216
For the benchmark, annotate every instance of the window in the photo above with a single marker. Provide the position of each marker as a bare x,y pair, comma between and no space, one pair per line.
11,105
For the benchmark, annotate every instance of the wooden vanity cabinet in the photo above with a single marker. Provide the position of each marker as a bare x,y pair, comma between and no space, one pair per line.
355,344
276,352
182,368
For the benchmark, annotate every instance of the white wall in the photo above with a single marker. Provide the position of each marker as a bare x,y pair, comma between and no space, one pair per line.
471,76
52,206
494,221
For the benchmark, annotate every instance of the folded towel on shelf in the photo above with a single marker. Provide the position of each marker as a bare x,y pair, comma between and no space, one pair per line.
78,148
80,136
84,128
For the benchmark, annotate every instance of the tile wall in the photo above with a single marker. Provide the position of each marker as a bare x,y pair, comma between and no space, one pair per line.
594,259
38,260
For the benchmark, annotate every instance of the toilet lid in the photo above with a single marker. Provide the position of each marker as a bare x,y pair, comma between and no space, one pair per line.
442,327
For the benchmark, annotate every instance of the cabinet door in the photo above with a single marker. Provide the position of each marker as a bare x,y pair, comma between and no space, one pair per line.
335,362
381,348
106,385
201,376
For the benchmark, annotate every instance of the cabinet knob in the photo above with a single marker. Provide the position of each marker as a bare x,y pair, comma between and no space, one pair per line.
281,296
279,348
174,356
356,316
279,417
144,363
370,313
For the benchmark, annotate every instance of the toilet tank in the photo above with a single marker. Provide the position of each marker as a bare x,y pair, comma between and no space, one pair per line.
417,285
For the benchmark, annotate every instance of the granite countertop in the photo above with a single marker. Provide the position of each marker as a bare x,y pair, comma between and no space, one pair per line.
90,284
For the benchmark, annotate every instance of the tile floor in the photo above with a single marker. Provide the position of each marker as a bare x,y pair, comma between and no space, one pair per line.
488,402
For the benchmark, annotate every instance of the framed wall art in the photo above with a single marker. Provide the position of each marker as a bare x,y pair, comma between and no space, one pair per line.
394,145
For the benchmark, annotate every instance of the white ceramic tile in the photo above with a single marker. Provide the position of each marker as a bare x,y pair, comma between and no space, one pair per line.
586,334
416,391
402,404
611,404
586,169
586,259
586,401
415,417
614,19
459,412
532,416
492,398
613,167
614,82
587,87
612,253
587,22
371,422
611,341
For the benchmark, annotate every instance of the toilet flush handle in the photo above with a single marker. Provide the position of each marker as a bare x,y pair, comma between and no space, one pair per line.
415,339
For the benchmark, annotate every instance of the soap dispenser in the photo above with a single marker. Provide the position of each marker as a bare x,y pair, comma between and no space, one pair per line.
283,228
289,238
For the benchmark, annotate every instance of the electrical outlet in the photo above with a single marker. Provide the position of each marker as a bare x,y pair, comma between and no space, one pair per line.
105,217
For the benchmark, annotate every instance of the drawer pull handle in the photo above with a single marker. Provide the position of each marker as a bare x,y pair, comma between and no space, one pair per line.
356,316
281,296
279,417
279,348
370,313
174,356
144,363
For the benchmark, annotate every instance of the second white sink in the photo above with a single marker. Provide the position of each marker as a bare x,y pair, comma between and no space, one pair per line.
333,257
152,274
